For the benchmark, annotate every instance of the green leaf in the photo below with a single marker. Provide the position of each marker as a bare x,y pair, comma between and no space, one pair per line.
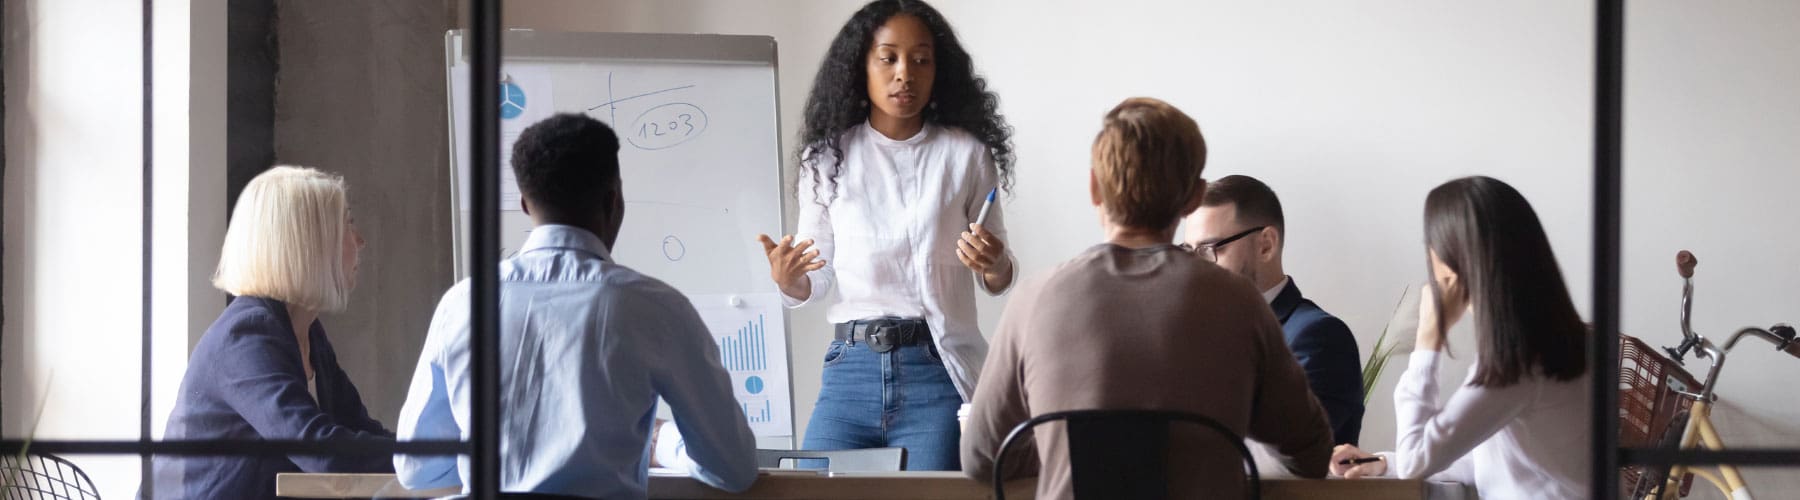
24,451
1382,351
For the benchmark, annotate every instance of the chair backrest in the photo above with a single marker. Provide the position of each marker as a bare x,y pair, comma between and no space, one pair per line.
864,460
1122,453
44,477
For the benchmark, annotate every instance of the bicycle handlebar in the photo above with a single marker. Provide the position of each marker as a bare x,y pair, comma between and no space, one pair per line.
1787,333
1684,264
1782,336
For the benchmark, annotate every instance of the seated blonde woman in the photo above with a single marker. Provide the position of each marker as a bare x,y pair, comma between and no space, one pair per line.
265,369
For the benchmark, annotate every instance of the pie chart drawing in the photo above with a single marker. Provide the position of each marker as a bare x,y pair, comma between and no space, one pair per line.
754,384
512,100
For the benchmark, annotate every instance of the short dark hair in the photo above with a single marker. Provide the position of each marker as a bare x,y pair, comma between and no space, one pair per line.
1487,233
1256,203
567,163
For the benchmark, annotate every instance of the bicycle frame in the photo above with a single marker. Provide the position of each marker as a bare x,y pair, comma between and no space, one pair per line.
1699,430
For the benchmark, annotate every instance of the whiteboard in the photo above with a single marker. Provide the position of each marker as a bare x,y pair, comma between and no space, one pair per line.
700,161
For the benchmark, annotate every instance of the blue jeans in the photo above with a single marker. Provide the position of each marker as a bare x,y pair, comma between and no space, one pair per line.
901,398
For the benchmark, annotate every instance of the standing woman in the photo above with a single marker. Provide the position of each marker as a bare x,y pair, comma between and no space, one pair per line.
902,145
1514,429
265,370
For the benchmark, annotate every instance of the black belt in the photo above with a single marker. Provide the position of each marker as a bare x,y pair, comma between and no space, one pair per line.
884,334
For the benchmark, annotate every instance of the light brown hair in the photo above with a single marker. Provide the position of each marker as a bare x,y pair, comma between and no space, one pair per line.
1147,162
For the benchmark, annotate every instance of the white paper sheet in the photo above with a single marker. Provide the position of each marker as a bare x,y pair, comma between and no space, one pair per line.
751,332
526,97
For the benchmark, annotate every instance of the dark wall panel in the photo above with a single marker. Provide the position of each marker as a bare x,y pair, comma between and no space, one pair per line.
360,91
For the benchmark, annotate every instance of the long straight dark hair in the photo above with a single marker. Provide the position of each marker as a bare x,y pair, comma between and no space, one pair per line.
1487,233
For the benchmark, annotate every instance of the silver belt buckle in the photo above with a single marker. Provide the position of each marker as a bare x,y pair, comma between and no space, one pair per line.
881,337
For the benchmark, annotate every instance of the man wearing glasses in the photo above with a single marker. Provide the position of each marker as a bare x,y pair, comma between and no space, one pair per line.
1240,227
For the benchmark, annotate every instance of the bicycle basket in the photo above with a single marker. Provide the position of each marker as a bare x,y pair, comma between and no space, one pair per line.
1648,401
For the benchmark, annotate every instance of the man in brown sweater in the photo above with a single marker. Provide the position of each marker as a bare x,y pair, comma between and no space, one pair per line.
1139,323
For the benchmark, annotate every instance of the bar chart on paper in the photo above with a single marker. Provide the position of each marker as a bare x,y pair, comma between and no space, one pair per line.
745,350
759,414
751,334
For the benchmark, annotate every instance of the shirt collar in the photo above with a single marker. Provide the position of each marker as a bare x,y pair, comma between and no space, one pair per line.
558,236
869,128
1270,294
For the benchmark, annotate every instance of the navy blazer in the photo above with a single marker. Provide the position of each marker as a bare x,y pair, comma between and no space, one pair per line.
1327,351
244,381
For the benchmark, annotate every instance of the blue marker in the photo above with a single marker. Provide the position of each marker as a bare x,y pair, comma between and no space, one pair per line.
985,205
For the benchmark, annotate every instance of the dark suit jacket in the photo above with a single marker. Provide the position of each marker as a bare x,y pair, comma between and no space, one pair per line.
1327,351
244,381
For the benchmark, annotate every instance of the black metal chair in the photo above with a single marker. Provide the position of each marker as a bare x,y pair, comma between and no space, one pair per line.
1122,453
38,476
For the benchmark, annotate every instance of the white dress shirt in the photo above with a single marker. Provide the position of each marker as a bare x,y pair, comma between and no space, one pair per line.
1526,440
1271,294
888,228
586,348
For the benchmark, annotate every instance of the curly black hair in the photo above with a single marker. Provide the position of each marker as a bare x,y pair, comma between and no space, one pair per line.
566,162
840,97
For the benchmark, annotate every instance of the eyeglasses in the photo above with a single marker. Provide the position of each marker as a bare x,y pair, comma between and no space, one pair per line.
1210,251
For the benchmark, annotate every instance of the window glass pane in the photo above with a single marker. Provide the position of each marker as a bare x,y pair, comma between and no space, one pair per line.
1709,117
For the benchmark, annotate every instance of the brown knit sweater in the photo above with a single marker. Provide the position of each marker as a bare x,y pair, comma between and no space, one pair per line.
1150,328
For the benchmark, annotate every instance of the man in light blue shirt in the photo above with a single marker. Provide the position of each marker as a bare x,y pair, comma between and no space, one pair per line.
586,348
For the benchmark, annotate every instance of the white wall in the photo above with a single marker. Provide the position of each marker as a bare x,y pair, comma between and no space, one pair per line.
74,128
1352,111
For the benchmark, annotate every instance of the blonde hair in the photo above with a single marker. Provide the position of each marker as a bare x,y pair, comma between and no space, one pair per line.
1147,162
286,240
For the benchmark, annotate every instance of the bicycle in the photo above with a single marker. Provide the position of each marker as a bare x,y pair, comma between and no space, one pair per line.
1695,424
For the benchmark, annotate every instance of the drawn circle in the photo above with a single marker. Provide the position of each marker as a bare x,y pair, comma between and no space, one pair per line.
512,100
754,384
673,248
667,126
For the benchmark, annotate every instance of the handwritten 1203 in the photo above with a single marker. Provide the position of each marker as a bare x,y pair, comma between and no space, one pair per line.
667,126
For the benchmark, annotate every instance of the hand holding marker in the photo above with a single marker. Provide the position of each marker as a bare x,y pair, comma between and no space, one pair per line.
979,249
985,205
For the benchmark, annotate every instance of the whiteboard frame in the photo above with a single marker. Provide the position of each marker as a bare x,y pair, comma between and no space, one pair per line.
523,45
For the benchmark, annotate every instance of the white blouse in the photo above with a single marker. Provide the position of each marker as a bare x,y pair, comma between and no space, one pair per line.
1527,440
888,231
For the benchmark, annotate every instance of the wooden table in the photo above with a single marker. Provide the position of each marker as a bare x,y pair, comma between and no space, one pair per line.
872,486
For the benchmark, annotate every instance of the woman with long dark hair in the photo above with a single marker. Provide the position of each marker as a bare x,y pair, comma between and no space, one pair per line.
1513,428
902,145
